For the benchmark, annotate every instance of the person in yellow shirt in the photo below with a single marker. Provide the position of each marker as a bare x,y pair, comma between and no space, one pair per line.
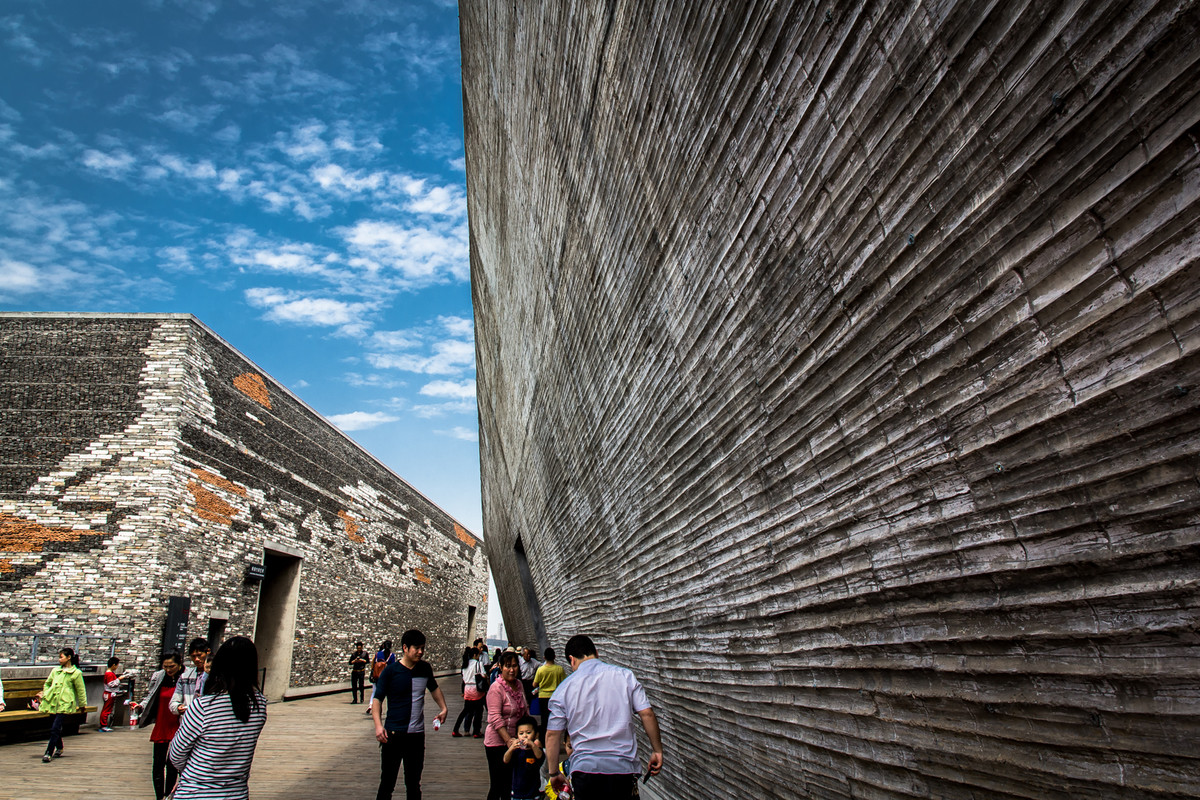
545,681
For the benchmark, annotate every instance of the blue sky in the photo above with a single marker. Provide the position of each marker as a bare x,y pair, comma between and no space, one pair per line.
291,173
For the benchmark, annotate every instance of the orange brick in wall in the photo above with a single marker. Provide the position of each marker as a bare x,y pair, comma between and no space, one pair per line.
22,536
218,481
211,507
253,386
351,527
419,572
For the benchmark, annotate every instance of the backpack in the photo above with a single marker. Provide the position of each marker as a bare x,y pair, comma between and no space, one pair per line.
378,667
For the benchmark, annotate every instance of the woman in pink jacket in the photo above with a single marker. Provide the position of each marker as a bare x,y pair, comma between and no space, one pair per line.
505,705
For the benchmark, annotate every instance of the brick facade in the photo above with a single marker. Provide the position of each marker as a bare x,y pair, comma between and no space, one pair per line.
142,457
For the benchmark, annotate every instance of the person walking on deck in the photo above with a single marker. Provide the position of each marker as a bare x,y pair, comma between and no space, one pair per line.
596,705
401,735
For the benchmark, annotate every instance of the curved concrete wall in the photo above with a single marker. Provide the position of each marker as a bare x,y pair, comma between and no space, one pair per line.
838,372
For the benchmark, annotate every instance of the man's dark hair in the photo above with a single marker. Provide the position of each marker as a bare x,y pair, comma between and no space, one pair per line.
198,645
412,638
527,720
358,644
112,662
549,653
580,646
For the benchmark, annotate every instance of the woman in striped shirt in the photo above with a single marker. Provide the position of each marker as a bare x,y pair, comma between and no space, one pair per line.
216,739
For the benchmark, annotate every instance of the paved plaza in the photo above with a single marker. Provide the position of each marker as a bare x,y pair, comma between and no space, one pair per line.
317,749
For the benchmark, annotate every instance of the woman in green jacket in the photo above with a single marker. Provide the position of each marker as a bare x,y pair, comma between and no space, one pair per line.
62,694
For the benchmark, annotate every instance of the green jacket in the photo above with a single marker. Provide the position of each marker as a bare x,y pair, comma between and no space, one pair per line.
63,691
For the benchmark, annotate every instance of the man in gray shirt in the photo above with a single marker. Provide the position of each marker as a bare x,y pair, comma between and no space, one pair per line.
595,705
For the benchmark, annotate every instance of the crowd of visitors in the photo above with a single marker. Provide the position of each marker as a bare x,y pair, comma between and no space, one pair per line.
205,719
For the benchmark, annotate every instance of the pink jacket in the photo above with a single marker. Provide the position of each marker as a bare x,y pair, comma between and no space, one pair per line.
505,706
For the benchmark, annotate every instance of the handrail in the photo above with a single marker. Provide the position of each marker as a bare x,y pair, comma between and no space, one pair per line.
37,649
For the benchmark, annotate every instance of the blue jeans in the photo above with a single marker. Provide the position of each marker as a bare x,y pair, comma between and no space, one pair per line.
56,726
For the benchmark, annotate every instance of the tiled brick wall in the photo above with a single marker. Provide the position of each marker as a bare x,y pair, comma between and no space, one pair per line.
183,460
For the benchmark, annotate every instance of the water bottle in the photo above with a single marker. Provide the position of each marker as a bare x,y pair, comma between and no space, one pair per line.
437,724
133,716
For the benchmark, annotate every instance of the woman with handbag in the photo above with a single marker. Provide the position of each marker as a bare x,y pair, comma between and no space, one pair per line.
474,690
379,663
156,708
505,705
62,694
216,740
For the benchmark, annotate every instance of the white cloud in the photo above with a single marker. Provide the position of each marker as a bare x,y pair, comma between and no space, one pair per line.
336,179
186,118
361,420
458,326
297,309
442,409
230,134
176,259
305,143
442,200
449,357
458,390
396,340
21,43
420,255
112,165
459,432
374,380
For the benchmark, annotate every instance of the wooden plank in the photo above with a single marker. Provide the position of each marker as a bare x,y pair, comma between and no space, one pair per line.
314,749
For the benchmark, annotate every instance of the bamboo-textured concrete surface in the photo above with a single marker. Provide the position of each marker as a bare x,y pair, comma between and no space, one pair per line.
317,749
839,372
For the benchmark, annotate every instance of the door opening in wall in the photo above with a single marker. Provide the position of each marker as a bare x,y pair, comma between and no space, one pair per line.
531,599
470,625
275,626
216,633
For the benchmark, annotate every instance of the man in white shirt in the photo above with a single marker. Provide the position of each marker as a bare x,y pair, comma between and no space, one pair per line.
595,705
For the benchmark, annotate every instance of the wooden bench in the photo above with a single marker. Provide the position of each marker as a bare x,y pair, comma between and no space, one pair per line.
18,693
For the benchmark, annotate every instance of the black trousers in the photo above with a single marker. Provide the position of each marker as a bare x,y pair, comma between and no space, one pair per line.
358,679
598,786
408,748
471,714
163,772
56,726
500,774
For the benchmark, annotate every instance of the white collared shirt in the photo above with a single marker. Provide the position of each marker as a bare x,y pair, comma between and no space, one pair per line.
596,705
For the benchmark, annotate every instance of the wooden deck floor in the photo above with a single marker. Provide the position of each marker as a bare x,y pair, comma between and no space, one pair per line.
317,749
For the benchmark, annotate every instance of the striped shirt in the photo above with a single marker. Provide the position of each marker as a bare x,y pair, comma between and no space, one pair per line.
213,749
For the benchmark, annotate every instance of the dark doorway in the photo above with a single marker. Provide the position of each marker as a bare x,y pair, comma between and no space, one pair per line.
531,600
275,627
470,625
216,633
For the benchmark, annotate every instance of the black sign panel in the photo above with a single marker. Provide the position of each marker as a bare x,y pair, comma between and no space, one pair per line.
175,632
256,572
